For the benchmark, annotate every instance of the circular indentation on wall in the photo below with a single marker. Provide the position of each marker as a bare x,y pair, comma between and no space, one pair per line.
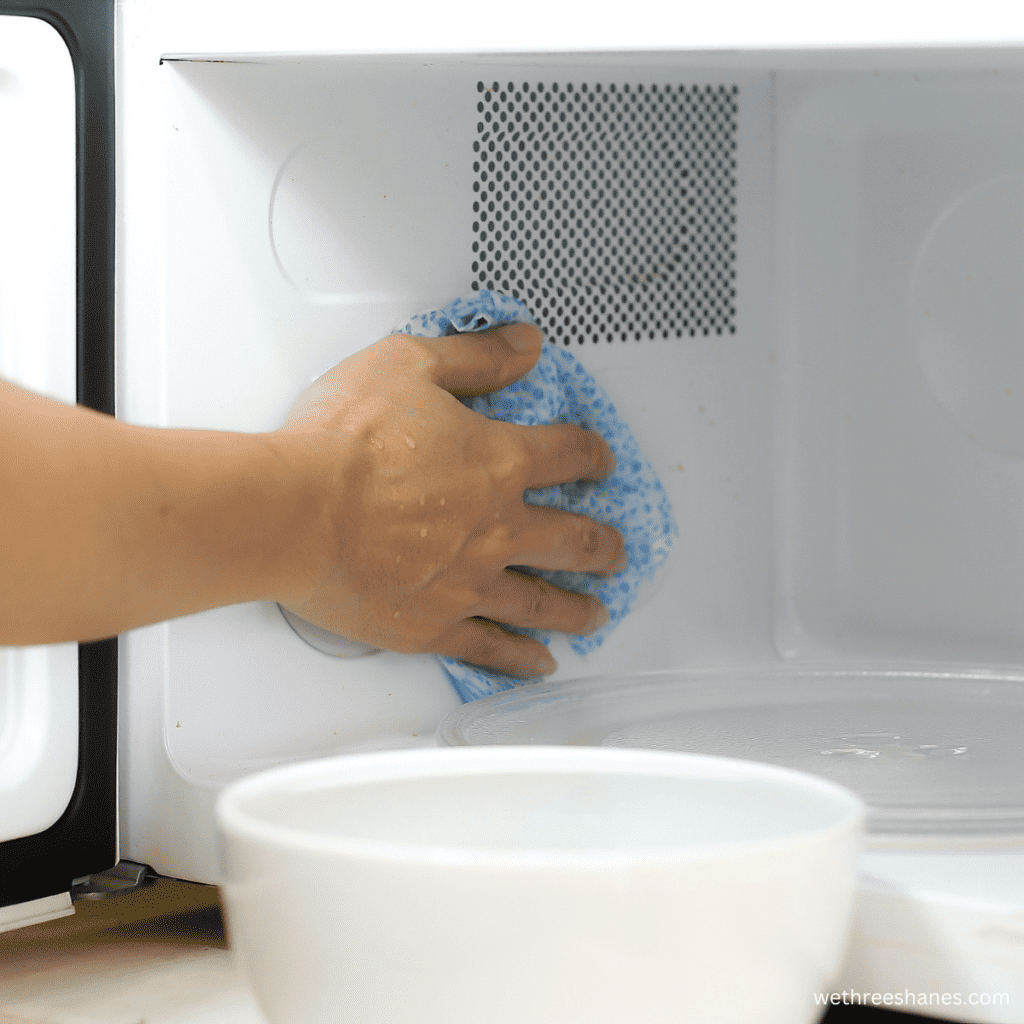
325,224
966,309
326,641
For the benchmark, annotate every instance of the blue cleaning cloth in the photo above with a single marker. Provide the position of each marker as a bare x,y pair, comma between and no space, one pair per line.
560,390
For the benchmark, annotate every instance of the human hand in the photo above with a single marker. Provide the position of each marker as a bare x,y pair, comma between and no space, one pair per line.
421,507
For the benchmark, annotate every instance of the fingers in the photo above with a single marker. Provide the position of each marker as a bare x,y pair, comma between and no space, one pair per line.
559,453
524,601
553,539
477,364
529,601
486,644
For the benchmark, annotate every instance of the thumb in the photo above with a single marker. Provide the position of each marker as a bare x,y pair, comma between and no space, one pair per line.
476,364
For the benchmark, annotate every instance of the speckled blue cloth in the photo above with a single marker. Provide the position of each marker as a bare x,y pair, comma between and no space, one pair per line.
560,390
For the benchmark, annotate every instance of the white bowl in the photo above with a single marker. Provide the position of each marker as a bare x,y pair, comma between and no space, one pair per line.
525,885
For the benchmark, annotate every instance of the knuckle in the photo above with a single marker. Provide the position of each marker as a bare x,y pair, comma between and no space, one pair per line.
502,454
495,547
495,356
510,461
600,547
539,604
484,646
409,354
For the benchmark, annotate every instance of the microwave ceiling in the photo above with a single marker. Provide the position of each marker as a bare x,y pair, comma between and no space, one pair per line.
408,26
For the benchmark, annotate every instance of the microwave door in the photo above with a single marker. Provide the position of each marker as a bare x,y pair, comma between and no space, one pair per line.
58,704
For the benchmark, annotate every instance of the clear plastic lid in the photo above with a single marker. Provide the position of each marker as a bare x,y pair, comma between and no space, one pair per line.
933,754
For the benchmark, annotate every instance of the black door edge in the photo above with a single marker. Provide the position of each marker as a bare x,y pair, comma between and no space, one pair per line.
84,839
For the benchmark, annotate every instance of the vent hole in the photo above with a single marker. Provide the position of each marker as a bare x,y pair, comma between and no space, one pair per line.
655,151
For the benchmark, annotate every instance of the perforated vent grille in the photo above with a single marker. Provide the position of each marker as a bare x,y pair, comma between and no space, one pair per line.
609,209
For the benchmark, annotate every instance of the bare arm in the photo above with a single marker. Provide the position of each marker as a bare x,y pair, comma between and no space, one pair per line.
107,526
383,509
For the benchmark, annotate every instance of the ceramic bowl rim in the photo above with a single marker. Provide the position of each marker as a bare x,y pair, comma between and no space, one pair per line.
236,822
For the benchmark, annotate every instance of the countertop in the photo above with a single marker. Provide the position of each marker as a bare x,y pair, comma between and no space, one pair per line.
157,955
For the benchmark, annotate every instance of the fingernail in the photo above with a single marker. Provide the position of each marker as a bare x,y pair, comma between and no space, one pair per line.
605,460
521,337
600,619
546,666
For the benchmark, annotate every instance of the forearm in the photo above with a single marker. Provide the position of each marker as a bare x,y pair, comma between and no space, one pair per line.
107,526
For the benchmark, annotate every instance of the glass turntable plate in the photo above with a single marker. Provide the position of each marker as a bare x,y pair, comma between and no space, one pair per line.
933,754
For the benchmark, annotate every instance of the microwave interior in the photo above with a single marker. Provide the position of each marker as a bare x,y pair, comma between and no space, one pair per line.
798,275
